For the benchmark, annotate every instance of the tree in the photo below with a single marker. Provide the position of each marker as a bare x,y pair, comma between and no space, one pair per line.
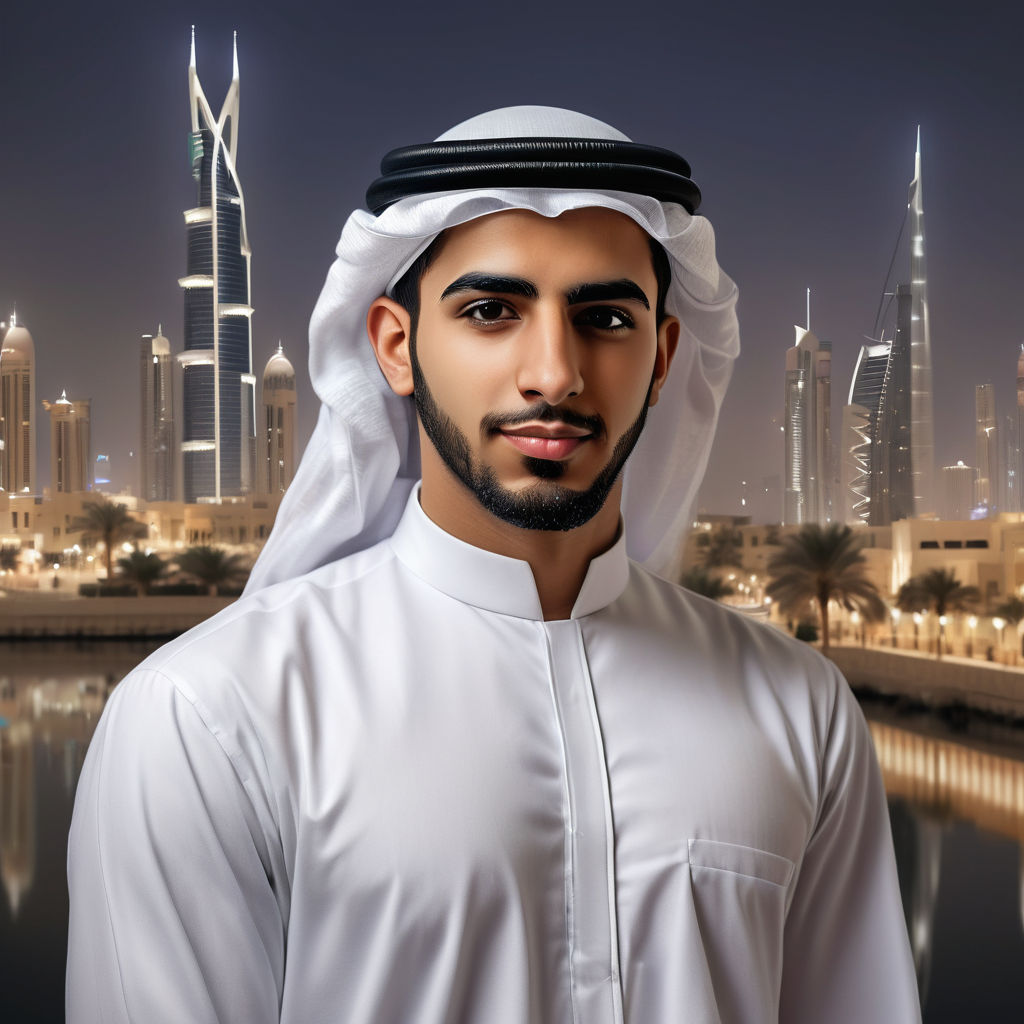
700,581
142,569
721,547
213,567
1013,611
109,522
937,590
820,564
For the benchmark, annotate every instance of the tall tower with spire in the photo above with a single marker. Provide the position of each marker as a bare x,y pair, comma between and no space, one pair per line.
17,408
277,457
156,451
70,444
218,441
922,434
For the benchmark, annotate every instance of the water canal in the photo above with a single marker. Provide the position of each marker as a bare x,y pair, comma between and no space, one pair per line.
956,800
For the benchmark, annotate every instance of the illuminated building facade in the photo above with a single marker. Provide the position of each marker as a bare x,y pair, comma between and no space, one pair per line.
277,454
70,444
808,433
1015,447
17,409
157,452
888,443
218,443
958,491
922,433
877,428
986,448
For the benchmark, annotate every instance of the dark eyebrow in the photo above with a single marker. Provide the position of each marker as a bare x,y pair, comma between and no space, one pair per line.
477,282
605,291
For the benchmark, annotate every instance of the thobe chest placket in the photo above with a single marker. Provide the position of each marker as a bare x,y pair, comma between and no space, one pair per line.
590,849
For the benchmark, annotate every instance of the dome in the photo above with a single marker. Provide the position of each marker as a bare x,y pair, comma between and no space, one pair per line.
279,372
18,344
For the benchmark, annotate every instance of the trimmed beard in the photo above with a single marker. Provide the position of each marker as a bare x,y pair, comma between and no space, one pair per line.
541,506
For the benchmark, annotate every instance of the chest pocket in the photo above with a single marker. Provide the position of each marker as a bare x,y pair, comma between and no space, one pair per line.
740,899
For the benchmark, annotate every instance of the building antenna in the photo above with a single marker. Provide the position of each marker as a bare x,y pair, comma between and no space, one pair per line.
808,310
192,52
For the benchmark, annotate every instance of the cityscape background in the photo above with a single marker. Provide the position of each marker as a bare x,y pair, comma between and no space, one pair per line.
801,125
800,128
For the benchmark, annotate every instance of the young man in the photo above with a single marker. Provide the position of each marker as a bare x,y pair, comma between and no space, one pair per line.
457,757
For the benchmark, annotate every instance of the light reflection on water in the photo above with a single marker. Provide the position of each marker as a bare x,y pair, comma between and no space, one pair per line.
956,805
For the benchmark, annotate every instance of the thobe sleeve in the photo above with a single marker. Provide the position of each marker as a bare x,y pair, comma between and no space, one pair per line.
846,956
174,916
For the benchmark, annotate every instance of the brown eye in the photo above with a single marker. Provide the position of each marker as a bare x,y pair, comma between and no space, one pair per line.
605,318
488,311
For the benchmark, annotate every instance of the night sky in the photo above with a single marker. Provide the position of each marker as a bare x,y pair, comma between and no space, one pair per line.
799,125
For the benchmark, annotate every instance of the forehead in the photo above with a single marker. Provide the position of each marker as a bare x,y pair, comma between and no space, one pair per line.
576,244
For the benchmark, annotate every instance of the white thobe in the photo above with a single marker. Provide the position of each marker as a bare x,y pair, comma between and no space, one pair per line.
389,791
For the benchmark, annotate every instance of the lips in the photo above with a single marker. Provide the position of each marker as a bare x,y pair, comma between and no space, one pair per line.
546,440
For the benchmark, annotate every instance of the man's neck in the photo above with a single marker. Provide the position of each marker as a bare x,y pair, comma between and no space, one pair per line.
559,559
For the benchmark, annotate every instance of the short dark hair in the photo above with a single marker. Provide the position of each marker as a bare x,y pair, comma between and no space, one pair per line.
406,291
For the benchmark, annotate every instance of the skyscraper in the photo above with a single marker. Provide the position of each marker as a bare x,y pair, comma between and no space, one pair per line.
808,431
986,448
1015,446
922,437
889,457
219,390
17,408
70,444
958,484
157,452
277,457
876,440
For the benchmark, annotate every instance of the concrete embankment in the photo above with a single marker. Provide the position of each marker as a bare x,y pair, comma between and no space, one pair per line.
106,618
951,681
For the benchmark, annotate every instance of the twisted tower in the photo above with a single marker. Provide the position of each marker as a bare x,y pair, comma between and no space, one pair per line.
218,387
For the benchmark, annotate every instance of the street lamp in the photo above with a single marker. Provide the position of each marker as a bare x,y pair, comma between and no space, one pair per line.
999,625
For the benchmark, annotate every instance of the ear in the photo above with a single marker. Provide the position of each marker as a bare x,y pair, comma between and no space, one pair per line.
388,326
668,342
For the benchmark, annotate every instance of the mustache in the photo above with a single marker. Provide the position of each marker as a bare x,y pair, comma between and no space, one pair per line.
542,412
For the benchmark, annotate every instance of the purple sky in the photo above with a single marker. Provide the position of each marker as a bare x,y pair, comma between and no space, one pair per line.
799,127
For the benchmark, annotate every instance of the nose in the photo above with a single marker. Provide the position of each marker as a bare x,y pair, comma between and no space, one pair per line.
549,363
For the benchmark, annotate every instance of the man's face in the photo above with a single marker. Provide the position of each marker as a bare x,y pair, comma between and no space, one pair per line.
535,359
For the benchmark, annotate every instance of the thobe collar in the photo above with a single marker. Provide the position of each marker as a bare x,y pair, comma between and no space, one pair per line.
495,582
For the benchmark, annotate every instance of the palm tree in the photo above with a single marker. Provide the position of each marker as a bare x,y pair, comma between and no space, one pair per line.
212,567
1013,611
937,590
700,581
721,547
822,564
143,569
110,523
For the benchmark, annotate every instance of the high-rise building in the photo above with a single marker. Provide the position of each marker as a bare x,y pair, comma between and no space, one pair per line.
157,454
277,457
218,443
17,408
922,437
70,444
958,491
1015,446
986,447
888,441
877,426
808,431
